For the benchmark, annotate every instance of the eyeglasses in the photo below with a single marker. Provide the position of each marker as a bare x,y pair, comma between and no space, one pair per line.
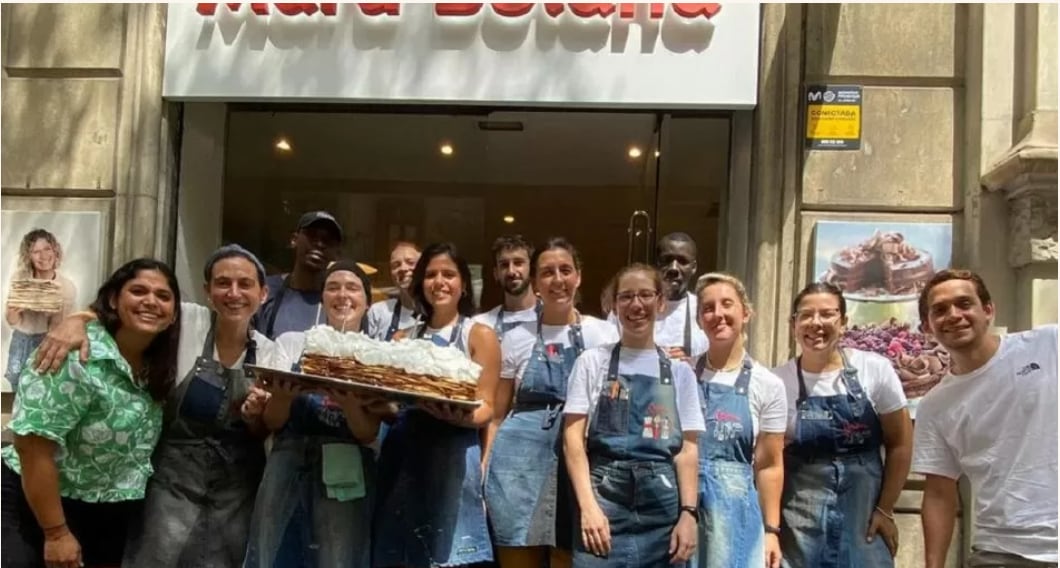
645,297
826,316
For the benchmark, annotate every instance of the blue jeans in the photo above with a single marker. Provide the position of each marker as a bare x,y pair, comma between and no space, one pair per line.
19,349
295,524
825,511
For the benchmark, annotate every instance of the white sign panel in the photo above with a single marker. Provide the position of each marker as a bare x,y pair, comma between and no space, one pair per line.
610,55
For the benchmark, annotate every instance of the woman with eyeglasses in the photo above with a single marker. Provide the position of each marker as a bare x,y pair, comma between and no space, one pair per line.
844,407
631,425
527,490
741,454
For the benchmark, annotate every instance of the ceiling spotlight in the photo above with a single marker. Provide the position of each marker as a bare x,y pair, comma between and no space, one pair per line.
446,149
283,145
509,219
657,153
634,152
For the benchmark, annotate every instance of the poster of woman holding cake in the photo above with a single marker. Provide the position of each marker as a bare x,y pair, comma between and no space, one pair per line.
881,267
38,297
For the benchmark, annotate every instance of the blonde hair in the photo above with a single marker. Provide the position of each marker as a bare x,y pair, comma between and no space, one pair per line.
712,278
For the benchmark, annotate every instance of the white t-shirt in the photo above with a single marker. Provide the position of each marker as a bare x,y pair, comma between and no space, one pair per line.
998,426
379,315
590,373
875,373
195,326
766,397
447,332
518,344
670,325
490,318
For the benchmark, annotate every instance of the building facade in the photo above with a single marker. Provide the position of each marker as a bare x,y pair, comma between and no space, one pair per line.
957,125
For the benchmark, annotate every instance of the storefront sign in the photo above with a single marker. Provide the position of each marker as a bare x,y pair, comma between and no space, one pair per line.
653,55
833,117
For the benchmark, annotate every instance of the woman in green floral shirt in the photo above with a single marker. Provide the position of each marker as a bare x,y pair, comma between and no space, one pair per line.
84,435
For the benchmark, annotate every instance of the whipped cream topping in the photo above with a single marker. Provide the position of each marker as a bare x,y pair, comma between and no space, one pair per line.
418,356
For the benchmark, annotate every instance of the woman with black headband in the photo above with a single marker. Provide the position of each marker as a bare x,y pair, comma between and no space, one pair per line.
313,506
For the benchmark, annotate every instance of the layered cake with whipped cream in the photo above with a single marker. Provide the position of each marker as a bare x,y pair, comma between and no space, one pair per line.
409,365
883,264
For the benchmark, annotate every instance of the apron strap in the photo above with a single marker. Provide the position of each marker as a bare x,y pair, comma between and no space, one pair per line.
574,332
743,380
666,374
688,326
802,381
850,377
395,320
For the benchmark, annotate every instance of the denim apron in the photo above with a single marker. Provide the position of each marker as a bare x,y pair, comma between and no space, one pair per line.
633,437
731,532
527,487
832,478
19,349
296,523
430,507
207,468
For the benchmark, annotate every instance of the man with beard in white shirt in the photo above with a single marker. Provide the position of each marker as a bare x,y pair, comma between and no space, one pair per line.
511,270
993,418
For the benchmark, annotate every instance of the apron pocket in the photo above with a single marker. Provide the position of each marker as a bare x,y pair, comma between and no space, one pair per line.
342,471
203,400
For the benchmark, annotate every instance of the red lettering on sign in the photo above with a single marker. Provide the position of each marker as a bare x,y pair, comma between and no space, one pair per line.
696,10
586,10
457,9
390,9
553,9
512,10
297,9
211,9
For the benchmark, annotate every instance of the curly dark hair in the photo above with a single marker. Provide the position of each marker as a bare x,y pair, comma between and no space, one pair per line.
25,263
466,304
161,355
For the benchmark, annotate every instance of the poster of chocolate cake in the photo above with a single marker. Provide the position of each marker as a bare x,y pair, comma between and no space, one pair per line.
52,266
882,268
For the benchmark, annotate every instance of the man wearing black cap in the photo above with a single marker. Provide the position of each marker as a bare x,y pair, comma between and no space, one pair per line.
294,298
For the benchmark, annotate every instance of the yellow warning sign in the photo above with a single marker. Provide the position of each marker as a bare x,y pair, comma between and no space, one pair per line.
837,122
833,117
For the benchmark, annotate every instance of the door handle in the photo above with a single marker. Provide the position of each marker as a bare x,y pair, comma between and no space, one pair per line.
634,233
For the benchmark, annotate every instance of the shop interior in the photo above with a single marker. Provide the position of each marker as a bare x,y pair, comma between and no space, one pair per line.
610,182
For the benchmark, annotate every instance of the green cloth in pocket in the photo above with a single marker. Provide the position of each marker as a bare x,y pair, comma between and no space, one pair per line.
343,472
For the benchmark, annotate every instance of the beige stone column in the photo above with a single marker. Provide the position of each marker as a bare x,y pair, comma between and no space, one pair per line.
1025,175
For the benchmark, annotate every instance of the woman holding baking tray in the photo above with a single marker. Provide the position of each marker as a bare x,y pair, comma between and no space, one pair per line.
314,504
430,509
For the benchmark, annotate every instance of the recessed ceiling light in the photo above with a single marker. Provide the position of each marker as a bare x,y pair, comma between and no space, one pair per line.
657,153
446,149
283,145
634,152
509,219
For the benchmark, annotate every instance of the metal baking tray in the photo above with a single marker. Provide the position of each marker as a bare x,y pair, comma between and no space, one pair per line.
318,383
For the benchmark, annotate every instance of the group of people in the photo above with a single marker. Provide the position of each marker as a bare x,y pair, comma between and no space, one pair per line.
651,437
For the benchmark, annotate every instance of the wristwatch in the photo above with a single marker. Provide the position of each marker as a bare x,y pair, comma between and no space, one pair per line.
694,511
771,529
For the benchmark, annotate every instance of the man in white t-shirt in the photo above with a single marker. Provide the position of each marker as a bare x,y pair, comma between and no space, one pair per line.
676,330
993,418
511,270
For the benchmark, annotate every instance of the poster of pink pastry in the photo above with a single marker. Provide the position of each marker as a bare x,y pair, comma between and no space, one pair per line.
881,268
